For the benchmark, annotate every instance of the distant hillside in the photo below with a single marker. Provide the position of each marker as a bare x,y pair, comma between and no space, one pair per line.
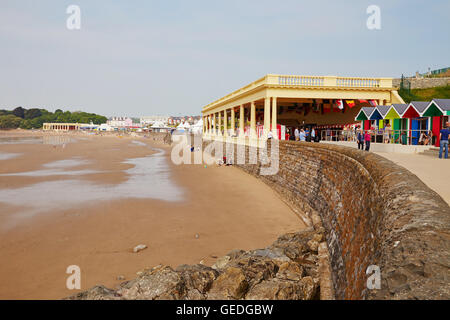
426,94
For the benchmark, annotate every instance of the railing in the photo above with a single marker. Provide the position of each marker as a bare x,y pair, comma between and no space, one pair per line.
405,137
328,81
357,82
301,80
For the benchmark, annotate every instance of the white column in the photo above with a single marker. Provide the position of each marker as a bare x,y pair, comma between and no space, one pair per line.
252,120
241,121
225,123
232,122
220,124
266,117
209,124
274,118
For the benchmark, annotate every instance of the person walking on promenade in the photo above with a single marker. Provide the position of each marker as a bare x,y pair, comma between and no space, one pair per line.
444,141
296,134
367,138
360,140
313,135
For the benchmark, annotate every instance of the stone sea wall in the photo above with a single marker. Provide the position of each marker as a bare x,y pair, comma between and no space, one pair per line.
423,83
374,212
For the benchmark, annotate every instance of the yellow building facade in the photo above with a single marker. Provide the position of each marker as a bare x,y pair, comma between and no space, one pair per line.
61,126
262,103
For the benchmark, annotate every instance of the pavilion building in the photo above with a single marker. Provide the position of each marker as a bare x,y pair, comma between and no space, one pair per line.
279,103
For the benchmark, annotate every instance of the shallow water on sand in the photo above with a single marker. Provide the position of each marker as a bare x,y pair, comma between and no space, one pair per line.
56,168
7,155
138,143
148,179
53,140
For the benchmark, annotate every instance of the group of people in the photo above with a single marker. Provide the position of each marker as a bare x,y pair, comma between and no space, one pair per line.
364,138
306,135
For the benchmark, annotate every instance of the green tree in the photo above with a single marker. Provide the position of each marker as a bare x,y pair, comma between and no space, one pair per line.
32,113
26,124
19,112
10,122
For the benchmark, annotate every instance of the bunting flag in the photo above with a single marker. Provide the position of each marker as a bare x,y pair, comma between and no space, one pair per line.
373,103
350,103
340,104
363,101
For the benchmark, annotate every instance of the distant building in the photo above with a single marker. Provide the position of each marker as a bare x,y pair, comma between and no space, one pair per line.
62,126
178,120
150,120
120,122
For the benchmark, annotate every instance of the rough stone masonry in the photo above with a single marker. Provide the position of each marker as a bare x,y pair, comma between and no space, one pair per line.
286,270
374,212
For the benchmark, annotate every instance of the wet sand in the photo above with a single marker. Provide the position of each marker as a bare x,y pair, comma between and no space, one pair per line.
39,239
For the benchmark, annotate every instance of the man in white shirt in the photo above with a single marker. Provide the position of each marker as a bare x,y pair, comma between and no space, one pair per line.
297,134
302,135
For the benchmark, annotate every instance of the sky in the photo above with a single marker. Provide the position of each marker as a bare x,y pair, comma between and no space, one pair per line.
144,57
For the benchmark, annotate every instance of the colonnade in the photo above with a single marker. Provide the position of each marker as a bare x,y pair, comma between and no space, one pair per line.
212,121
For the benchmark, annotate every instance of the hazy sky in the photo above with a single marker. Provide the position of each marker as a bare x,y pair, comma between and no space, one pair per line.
169,57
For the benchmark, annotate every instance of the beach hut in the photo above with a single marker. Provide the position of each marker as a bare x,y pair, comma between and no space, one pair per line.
438,107
364,115
400,125
389,115
416,123
383,111
438,110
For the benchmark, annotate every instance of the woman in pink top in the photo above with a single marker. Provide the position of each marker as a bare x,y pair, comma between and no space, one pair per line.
367,138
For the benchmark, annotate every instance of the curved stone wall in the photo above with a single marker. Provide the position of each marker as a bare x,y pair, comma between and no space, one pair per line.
374,213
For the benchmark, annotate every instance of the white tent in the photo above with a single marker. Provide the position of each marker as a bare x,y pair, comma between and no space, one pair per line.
186,125
158,124
198,127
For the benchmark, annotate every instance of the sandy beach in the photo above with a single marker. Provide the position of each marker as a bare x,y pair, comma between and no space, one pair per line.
88,200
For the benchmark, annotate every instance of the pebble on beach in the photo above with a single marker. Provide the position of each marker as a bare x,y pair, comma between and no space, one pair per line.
139,248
